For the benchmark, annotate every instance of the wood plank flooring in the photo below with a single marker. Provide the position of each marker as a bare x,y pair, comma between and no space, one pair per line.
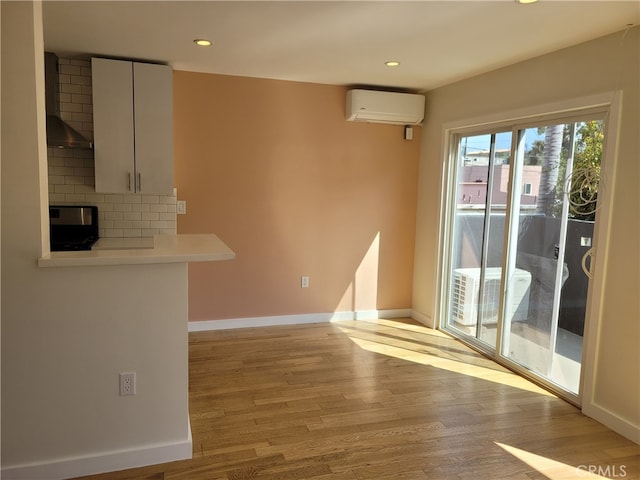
383,400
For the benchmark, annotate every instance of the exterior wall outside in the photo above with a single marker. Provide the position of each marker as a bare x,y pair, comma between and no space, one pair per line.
473,185
614,378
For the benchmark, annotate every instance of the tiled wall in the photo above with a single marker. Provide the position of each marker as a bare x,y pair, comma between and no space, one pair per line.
71,171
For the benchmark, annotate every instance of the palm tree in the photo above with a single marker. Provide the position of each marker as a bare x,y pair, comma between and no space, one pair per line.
549,176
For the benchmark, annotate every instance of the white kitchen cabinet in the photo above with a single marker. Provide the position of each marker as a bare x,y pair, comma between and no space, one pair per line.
133,126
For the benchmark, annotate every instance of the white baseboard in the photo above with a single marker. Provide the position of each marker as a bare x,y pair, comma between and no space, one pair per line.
612,421
103,462
226,324
426,320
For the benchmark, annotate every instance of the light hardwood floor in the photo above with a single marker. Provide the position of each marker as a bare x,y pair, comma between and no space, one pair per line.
384,400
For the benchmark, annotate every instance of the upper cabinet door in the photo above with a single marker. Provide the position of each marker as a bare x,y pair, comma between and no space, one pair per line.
153,111
113,125
133,126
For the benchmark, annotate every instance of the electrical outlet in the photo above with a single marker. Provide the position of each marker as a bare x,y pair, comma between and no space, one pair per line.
304,282
181,207
127,383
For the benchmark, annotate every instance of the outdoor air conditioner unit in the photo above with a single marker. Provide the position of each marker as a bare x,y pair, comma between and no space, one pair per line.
384,107
466,288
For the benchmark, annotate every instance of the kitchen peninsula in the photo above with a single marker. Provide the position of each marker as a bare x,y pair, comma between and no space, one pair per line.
166,249
69,334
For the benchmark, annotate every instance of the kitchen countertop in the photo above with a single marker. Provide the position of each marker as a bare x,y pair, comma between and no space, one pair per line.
123,243
166,249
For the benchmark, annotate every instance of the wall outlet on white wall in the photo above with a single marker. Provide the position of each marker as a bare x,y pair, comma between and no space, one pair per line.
127,383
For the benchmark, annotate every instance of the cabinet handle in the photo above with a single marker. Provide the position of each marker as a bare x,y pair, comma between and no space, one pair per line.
129,181
139,182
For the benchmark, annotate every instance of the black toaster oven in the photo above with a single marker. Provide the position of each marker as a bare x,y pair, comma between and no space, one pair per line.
73,227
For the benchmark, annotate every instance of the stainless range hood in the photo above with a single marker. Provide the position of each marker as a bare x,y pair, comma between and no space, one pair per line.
59,134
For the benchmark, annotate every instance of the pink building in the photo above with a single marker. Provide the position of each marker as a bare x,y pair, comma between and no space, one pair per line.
472,185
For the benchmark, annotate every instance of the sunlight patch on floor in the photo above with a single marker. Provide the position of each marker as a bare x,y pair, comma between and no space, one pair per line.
384,339
551,469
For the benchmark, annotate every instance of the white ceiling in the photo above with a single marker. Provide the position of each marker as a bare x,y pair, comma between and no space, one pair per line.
332,42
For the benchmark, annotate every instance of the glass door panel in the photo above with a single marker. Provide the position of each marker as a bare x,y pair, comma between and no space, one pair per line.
478,234
547,284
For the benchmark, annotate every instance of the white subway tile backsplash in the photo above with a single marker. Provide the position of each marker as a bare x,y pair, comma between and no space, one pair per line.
80,116
112,233
132,199
68,69
79,99
111,198
80,79
71,180
132,216
55,180
81,172
140,207
150,199
122,207
66,108
161,208
62,188
86,189
95,198
168,199
71,172
69,88
112,215
75,198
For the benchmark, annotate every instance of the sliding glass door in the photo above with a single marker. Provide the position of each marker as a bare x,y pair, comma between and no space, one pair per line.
521,222
476,255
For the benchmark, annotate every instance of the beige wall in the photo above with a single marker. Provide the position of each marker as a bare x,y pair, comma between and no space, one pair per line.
600,66
273,168
68,332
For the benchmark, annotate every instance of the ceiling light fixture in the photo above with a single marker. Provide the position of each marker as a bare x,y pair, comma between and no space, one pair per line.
392,63
525,2
202,42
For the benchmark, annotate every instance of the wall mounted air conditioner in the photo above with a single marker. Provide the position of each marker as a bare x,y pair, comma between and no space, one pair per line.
466,288
384,107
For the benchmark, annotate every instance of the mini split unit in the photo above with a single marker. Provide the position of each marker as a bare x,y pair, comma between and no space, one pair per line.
384,107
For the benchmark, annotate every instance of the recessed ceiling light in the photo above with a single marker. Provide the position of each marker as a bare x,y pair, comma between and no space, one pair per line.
524,2
392,63
202,42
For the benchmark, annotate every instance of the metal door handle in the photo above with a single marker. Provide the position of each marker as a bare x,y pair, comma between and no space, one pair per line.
139,189
129,181
587,271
